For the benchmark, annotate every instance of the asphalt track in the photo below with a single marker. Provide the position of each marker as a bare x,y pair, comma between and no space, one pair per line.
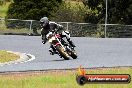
92,52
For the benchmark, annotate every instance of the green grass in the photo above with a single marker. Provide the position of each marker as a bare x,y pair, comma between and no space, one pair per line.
59,79
6,56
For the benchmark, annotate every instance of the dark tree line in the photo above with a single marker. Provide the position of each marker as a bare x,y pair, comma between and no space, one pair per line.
119,11
32,9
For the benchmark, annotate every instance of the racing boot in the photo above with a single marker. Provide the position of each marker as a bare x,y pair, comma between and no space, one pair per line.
52,50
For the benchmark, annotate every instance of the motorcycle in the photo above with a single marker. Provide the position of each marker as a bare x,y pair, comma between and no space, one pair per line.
63,48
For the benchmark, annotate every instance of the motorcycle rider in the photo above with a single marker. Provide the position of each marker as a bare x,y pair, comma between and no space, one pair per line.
47,26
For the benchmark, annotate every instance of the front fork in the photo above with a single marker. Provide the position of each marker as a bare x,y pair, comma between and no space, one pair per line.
61,44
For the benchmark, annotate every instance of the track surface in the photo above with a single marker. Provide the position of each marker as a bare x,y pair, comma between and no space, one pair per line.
92,52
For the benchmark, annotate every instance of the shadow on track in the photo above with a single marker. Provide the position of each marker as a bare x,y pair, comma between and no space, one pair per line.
56,60
59,60
65,60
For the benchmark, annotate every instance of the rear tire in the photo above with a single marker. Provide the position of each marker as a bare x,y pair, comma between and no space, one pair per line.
62,52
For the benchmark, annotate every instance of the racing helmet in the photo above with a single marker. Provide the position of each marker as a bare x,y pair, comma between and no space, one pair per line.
44,21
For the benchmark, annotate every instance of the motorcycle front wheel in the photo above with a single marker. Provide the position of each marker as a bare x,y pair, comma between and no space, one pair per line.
62,52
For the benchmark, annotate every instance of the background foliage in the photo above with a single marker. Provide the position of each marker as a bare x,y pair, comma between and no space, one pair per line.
32,9
119,11
90,11
70,11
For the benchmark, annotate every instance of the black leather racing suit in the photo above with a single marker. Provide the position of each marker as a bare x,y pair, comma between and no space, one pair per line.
52,26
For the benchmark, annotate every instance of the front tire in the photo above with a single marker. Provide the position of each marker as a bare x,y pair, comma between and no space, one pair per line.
62,52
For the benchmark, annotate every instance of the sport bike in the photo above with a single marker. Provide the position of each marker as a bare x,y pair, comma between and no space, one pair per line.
63,48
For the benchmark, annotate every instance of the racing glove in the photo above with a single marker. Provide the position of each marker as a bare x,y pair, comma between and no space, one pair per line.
44,41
